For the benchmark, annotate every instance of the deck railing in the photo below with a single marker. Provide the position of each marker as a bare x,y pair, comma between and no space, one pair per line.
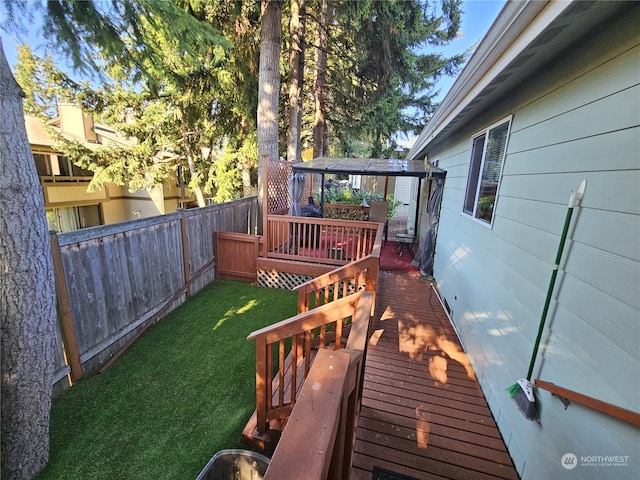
319,240
318,442
289,344
339,283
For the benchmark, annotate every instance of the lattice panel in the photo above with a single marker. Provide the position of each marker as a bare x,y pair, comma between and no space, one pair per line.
289,281
278,200
278,173
275,279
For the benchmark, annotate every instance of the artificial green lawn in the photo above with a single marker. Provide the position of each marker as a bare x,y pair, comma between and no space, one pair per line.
182,392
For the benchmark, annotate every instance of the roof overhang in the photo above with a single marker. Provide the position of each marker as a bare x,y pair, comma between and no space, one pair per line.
525,36
386,167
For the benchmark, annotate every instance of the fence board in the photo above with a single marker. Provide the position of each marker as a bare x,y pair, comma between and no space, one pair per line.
120,275
240,254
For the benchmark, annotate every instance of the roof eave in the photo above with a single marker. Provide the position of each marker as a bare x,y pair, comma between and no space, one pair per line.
517,25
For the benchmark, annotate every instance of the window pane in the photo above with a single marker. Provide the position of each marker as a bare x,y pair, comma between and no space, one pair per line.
42,164
64,164
474,173
52,220
68,219
496,143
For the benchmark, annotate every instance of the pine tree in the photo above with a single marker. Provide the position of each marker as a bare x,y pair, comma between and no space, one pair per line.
268,86
379,79
297,23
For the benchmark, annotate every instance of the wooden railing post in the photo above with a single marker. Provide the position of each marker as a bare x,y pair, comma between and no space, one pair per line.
262,378
356,374
68,330
185,249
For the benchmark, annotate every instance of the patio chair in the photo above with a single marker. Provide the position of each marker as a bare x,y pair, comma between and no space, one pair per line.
378,213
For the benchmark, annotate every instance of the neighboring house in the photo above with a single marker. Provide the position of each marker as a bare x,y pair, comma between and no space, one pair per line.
550,97
69,205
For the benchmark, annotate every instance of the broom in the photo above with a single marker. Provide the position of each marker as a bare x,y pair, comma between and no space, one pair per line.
522,391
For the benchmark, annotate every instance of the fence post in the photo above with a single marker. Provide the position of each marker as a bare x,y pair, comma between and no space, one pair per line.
185,249
68,330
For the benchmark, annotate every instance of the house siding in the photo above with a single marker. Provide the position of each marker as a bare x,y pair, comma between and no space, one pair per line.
578,119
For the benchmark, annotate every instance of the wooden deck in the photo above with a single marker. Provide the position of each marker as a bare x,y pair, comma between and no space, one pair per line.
423,414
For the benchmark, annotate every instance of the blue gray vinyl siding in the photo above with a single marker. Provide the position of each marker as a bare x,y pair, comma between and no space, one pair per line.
579,119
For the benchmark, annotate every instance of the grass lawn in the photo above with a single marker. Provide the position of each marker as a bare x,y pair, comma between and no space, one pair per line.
182,392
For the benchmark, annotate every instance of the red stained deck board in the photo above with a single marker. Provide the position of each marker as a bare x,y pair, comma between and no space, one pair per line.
446,459
447,379
417,384
439,436
423,413
445,467
408,395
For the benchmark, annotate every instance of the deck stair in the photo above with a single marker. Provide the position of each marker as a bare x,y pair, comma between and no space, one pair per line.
329,306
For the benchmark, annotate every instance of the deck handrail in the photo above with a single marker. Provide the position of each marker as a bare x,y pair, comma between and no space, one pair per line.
324,327
320,240
601,406
321,428
318,442
340,282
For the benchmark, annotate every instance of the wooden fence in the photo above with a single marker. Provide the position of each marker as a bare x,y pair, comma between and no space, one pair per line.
113,279
237,254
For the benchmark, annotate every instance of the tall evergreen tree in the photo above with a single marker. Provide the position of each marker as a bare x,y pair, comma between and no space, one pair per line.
268,86
179,105
380,72
236,112
297,23
320,129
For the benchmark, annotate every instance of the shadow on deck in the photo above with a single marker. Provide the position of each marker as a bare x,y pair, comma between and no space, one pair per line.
423,414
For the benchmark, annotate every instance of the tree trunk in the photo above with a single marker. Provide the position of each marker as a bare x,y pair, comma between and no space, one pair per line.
27,295
320,119
194,184
245,162
296,80
268,89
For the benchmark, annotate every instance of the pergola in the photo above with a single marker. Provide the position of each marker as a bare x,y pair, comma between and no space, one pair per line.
378,167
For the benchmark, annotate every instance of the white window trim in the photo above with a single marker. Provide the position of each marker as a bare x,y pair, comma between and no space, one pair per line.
506,147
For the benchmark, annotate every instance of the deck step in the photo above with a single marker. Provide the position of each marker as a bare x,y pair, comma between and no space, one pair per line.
266,441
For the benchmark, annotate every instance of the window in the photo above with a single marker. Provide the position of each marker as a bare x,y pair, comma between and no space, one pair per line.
49,165
74,218
485,170
43,164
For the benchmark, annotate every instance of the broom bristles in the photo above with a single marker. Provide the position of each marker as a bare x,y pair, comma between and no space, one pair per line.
522,394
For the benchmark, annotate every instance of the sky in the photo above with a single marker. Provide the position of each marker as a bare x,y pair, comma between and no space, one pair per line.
478,16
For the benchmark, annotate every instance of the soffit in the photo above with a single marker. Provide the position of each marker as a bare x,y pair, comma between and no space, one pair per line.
524,38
